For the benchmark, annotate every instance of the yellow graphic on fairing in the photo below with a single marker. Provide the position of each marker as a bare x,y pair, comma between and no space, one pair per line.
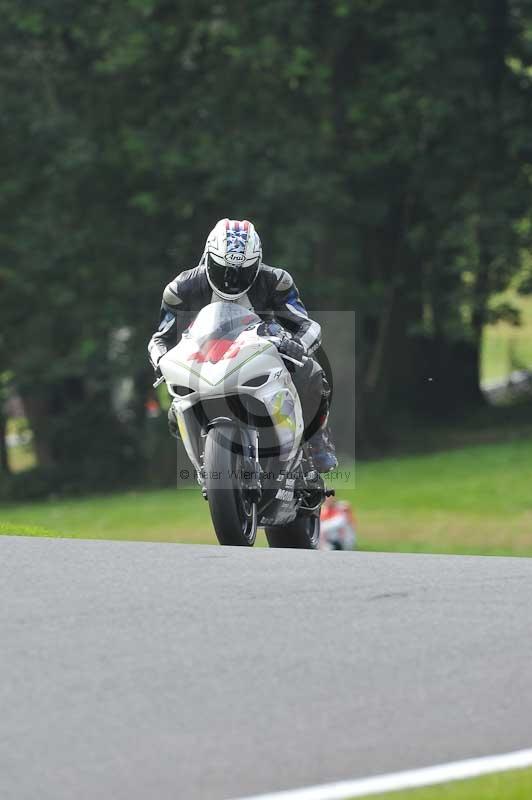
182,427
283,411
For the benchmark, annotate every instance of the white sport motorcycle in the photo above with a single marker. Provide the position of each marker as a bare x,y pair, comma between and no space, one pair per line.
240,420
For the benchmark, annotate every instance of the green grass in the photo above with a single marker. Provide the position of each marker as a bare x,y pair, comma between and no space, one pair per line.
164,515
8,529
475,500
501,786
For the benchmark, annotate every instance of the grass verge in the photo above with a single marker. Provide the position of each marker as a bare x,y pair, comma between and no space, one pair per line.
474,500
12,529
471,500
162,516
500,786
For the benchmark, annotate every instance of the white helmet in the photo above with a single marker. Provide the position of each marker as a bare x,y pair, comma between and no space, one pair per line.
233,256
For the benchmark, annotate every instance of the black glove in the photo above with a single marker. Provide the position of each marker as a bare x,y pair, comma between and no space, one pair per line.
292,348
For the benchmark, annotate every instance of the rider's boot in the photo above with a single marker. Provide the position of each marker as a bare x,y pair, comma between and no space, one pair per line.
323,450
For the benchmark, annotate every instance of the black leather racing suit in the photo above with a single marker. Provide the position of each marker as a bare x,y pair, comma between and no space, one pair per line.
273,296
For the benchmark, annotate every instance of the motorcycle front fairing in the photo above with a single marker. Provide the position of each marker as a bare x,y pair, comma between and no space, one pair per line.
222,356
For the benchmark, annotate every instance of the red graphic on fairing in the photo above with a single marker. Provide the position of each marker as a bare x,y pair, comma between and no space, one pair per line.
215,350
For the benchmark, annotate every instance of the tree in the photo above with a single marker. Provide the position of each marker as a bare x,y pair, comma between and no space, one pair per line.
382,151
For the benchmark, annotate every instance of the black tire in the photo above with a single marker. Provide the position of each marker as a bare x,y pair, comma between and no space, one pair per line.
303,533
234,519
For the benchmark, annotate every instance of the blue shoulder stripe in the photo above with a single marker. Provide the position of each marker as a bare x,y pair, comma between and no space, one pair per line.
293,300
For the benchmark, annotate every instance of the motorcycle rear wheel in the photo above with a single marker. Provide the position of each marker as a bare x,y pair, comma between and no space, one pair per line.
303,533
233,516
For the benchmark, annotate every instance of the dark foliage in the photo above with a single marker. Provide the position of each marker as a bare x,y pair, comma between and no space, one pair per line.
383,151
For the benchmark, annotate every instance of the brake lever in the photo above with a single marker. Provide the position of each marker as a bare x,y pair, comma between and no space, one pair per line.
293,360
158,382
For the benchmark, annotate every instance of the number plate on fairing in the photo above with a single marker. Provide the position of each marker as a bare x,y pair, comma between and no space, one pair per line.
283,510
286,493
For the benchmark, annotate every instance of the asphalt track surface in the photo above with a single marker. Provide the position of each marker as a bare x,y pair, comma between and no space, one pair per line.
135,670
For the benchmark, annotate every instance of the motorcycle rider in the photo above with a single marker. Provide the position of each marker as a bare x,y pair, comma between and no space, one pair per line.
338,525
231,269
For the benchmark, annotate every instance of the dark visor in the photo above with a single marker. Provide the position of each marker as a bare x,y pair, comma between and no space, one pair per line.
231,280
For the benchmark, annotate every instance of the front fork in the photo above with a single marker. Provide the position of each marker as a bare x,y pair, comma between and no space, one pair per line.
250,464
250,470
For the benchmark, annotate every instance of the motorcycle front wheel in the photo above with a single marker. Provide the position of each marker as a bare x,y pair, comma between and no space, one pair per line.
234,516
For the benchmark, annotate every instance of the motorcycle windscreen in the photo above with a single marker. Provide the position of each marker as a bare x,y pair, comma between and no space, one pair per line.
218,325
218,320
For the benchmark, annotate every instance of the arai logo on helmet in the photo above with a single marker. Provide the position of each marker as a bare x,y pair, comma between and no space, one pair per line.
235,259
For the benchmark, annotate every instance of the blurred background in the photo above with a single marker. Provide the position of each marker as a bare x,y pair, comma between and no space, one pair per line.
383,150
